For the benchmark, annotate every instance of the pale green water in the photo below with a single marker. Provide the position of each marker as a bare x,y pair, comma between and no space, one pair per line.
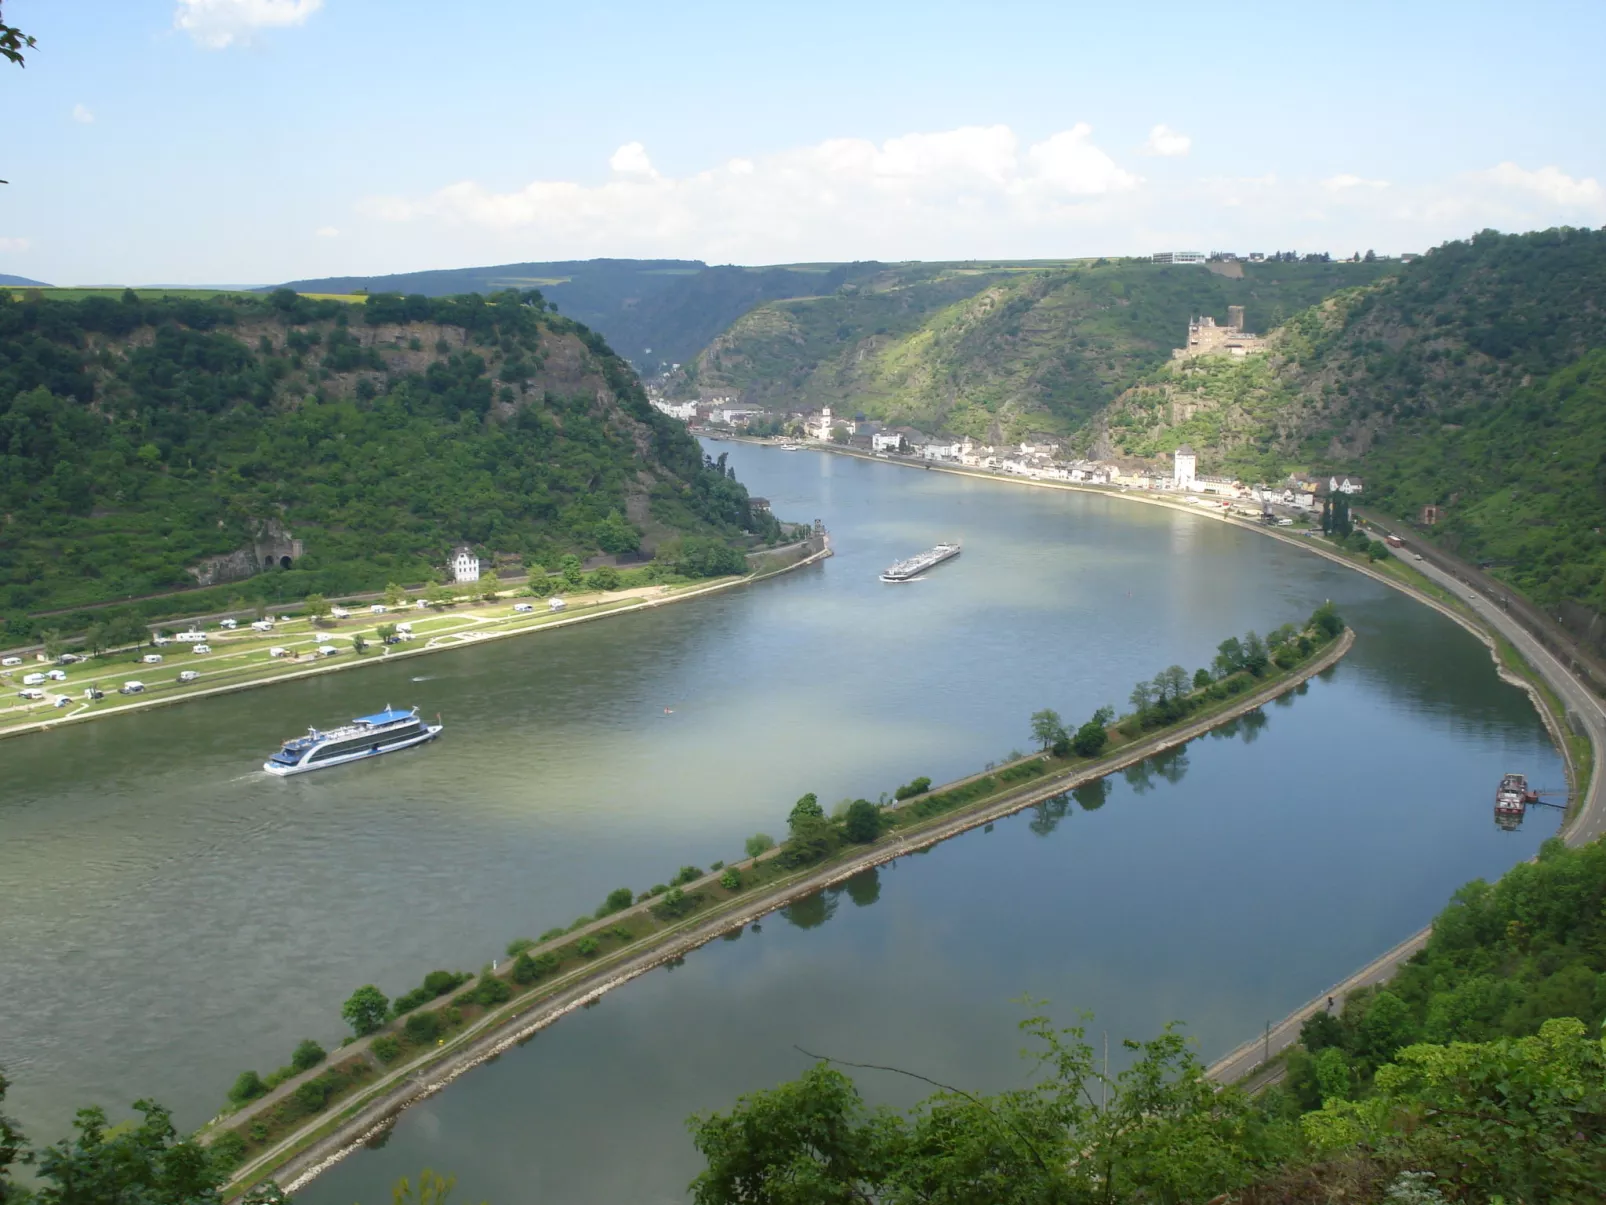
168,916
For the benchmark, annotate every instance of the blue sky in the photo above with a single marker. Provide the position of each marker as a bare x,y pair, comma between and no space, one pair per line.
231,141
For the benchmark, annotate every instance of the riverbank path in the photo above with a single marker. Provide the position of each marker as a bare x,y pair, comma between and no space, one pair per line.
1588,824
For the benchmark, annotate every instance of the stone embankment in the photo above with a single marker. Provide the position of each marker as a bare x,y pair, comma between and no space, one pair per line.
303,1155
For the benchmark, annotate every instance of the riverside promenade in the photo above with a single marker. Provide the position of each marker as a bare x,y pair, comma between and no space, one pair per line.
302,1155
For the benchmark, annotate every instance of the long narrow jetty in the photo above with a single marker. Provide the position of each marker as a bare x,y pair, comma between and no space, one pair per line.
305,1153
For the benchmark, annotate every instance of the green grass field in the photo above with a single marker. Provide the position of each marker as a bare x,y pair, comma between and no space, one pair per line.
242,657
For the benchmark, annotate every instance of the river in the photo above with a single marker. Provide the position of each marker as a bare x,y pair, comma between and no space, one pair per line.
168,916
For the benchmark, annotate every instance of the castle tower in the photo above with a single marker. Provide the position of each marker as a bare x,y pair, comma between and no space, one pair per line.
1183,471
1235,317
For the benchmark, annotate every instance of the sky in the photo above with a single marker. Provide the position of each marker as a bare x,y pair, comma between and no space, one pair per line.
255,141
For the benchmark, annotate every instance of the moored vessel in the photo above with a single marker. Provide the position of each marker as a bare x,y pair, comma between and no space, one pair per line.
366,736
1512,797
908,570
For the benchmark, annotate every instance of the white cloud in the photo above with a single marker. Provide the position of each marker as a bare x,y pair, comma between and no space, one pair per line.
631,160
1344,183
841,197
1551,183
216,24
1166,142
14,244
82,114
327,232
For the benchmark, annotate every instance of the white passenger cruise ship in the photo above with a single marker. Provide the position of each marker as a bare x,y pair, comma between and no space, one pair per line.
366,736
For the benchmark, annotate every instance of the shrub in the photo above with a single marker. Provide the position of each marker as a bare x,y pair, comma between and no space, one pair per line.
227,1149
759,843
1090,739
686,874
622,933
551,933
490,990
248,1086
675,903
307,1055
258,1131
546,963
618,900
910,789
386,1047
422,1027
524,969
862,823
605,577
720,865
731,880
312,1095
518,945
586,946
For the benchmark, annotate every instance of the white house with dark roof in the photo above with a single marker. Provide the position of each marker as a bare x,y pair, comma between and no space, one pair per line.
464,564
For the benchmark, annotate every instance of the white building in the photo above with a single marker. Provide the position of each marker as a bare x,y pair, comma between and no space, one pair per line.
1183,473
464,564
822,426
941,449
886,441
1179,257
684,411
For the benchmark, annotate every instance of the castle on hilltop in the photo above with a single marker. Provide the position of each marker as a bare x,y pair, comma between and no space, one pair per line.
1205,338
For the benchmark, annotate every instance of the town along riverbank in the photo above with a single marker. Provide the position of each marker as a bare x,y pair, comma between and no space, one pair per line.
311,1119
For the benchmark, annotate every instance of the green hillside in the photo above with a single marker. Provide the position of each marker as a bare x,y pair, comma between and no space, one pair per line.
1005,349
139,438
1473,379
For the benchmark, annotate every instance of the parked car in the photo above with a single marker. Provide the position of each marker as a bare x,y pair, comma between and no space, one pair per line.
262,625
377,609
61,701
327,650
231,624
152,658
33,679
404,629
131,688
393,640
56,675
161,641
556,604
30,693
11,661
68,659
93,695
188,675
340,612
522,607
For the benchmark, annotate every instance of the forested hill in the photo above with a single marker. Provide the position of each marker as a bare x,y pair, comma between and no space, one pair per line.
1473,379
995,350
139,438
655,312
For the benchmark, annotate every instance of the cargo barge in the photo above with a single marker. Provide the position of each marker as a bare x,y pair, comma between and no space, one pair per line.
905,571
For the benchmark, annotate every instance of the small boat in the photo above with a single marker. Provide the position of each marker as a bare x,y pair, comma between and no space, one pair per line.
366,736
905,571
1512,797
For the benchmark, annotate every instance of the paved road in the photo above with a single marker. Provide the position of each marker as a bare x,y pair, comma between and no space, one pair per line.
1588,823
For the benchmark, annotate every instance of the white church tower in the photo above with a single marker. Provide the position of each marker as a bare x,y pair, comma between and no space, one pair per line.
823,434
1183,472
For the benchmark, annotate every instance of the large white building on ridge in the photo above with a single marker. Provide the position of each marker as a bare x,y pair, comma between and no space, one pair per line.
465,564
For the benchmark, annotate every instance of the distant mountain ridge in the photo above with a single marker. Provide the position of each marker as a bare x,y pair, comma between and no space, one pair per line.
22,282
653,312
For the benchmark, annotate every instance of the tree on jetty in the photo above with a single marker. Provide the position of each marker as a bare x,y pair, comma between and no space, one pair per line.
366,1010
1048,729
